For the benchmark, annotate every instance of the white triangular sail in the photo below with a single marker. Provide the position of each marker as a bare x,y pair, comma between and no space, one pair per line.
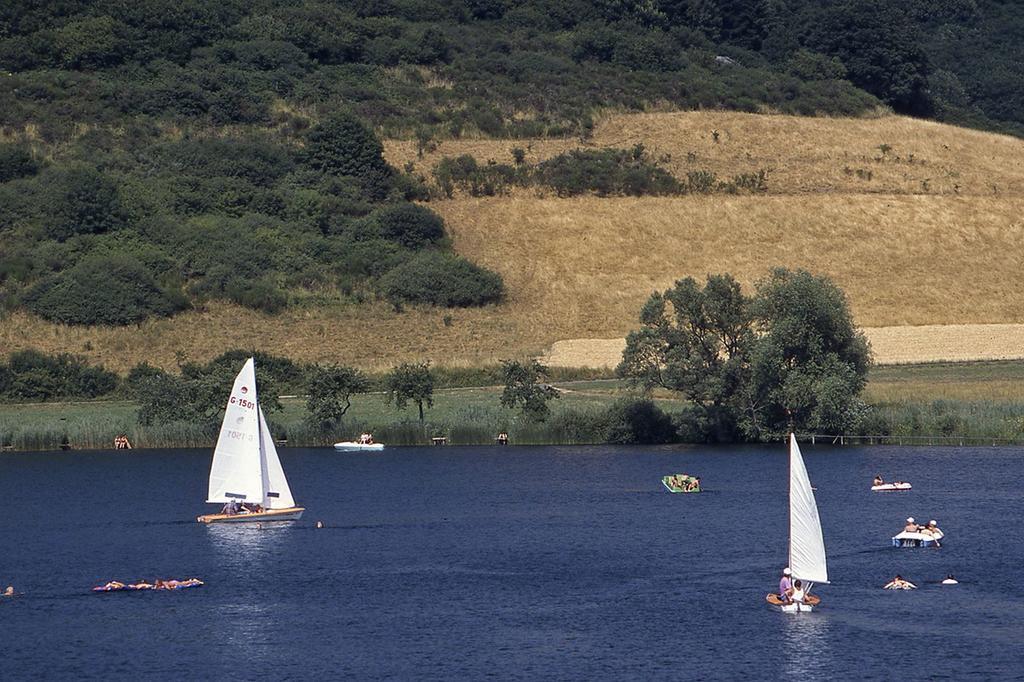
238,472
806,545
279,495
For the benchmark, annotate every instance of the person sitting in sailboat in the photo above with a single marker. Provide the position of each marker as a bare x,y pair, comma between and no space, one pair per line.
785,584
797,592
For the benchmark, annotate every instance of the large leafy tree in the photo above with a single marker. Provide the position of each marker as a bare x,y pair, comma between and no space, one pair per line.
526,388
410,382
331,389
752,367
697,341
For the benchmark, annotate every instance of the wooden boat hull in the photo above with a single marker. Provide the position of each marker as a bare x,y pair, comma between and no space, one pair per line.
806,606
289,514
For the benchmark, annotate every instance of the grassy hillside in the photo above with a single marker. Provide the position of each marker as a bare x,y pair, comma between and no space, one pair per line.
928,232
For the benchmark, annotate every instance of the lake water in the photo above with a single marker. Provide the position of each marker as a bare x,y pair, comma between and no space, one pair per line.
511,563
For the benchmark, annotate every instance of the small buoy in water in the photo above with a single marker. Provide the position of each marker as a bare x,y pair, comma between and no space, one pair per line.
319,524
950,580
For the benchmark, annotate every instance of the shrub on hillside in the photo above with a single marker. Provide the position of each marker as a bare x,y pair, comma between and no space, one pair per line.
463,172
442,279
606,172
258,294
32,375
16,161
344,145
81,200
111,289
410,225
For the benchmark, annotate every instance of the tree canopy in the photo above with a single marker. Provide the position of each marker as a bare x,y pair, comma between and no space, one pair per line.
410,382
753,366
330,392
526,388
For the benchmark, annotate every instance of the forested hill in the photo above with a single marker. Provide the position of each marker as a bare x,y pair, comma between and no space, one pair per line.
503,67
159,154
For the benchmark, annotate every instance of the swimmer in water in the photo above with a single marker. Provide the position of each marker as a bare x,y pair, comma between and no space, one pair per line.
9,592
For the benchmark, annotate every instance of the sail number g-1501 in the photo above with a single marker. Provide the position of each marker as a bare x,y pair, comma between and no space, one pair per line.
242,402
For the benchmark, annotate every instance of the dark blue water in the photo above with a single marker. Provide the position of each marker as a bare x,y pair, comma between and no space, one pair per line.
510,563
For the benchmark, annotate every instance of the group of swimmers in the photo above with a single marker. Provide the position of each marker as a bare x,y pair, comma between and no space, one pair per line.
901,583
117,586
235,507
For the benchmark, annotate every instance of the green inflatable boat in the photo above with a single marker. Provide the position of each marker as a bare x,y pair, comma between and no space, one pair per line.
681,483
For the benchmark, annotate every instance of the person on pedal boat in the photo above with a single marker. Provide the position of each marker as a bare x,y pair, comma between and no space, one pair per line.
878,480
911,526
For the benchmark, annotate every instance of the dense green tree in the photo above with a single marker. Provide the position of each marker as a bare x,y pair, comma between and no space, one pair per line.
330,391
881,49
198,395
809,364
753,367
696,341
410,382
526,387
633,421
32,375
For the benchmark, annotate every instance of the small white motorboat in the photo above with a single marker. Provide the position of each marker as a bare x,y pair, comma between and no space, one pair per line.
891,487
353,446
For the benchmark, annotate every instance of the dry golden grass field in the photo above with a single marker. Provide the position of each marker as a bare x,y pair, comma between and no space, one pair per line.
920,223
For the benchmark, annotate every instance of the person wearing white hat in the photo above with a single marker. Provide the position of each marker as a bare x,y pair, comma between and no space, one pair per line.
911,526
785,584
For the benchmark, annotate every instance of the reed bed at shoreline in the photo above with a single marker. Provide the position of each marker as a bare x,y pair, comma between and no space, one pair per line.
975,401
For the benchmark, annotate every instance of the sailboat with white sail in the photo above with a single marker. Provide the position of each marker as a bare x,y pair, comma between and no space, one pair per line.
246,474
806,544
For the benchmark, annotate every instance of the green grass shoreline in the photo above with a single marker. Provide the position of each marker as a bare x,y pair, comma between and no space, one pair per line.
941,403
